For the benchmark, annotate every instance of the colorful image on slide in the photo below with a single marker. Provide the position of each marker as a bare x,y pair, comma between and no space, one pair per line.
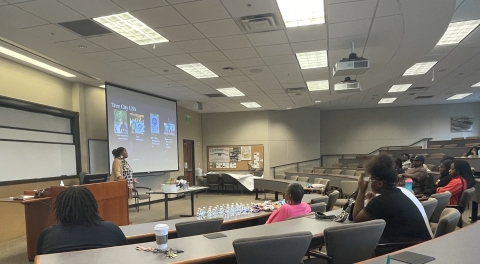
120,121
169,127
154,124
137,123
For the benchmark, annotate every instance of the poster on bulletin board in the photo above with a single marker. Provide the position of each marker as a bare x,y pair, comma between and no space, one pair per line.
235,158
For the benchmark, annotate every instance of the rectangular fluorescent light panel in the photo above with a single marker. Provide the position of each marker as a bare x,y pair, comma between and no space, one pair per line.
476,85
457,31
102,86
37,63
397,88
387,100
131,28
301,13
313,59
231,92
251,105
318,85
197,70
458,96
420,68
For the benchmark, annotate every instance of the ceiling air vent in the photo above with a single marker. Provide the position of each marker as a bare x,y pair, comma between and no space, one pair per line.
215,95
424,97
85,27
259,23
296,90
419,88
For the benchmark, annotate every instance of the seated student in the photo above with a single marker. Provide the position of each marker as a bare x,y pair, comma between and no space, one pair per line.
404,215
79,225
406,163
472,153
462,179
293,207
419,175
445,177
398,166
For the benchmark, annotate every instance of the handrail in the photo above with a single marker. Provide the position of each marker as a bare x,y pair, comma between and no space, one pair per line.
293,163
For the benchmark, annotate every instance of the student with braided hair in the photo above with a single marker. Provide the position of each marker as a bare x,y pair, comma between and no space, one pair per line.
79,226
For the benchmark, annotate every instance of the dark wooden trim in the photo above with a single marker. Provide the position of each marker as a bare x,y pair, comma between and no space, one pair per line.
40,142
36,130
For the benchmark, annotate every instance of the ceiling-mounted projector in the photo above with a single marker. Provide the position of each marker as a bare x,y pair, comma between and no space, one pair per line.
352,65
347,86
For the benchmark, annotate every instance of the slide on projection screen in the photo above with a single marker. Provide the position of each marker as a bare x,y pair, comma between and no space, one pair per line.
146,126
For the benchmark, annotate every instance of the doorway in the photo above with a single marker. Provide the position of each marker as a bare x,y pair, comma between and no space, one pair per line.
189,161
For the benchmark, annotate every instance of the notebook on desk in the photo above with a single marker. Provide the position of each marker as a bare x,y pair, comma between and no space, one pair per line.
412,258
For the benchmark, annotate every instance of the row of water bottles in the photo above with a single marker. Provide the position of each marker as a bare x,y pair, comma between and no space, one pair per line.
224,211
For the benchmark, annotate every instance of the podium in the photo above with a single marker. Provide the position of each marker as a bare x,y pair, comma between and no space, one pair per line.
111,197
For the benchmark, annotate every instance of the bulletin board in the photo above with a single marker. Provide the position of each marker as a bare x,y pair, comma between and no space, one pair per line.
234,157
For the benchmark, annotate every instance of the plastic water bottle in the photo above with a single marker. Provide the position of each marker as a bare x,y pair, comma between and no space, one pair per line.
408,184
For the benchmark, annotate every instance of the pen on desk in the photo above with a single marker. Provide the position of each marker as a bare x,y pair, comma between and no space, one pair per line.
388,259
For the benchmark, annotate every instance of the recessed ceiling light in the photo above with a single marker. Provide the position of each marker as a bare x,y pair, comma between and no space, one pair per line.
131,28
457,31
318,101
458,96
197,70
318,85
231,92
102,86
420,68
313,59
399,88
387,100
302,12
476,85
82,46
37,63
251,105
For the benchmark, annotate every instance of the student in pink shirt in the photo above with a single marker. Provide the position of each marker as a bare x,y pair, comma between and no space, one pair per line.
293,207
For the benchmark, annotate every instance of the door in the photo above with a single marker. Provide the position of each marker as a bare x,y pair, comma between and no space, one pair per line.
189,161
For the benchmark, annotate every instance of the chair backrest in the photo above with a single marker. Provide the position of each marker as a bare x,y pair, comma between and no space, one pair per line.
353,165
228,179
293,177
362,237
213,178
359,173
319,170
442,199
81,176
337,165
350,172
332,198
303,179
458,138
448,222
317,180
325,182
307,170
465,198
280,177
323,199
429,206
472,137
472,144
430,166
198,227
337,171
282,249
450,146
435,146
437,155
318,207
348,187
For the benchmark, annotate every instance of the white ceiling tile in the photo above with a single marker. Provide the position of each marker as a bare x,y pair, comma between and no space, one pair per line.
179,59
316,74
197,45
274,50
93,8
166,70
248,62
19,18
190,83
350,11
285,68
164,49
231,42
268,38
151,62
218,28
239,8
217,67
468,10
180,77
346,42
253,70
74,45
125,65
245,53
2,3
309,46
129,5
389,23
313,32
179,33
113,41
140,72
51,33
344,29
294,85
232,79
160,17
204,10
283,59
215,82
173,2
387,8
155,79
134,53
209,56
104,56
262,77
51,11
242,84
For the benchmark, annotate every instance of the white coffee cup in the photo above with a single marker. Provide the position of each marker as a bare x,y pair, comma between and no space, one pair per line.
161,235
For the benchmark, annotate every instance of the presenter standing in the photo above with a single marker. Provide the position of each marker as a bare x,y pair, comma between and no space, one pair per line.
120,167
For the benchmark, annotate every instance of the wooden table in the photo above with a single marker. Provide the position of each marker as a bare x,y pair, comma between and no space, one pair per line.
198,249
190,190
276,185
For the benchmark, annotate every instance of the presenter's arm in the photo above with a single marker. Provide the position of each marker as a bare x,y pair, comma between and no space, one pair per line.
117,169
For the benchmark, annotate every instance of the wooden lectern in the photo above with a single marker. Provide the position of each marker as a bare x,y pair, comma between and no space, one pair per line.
112,199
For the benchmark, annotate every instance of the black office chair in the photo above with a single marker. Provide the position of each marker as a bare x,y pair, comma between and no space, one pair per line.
318,207
229,181
140,196
323,199
214,180
198,227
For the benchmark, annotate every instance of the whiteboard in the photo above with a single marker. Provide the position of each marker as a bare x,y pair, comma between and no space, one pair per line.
10,117
28,160
98,156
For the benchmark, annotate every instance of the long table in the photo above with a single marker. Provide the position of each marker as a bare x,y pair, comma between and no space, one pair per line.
278,186
461,246
246,180
198,249
191,190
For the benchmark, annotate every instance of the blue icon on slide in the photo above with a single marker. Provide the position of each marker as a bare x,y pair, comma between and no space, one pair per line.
154,124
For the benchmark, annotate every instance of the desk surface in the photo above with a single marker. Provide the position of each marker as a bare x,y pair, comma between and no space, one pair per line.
198,249
460,246
190,189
